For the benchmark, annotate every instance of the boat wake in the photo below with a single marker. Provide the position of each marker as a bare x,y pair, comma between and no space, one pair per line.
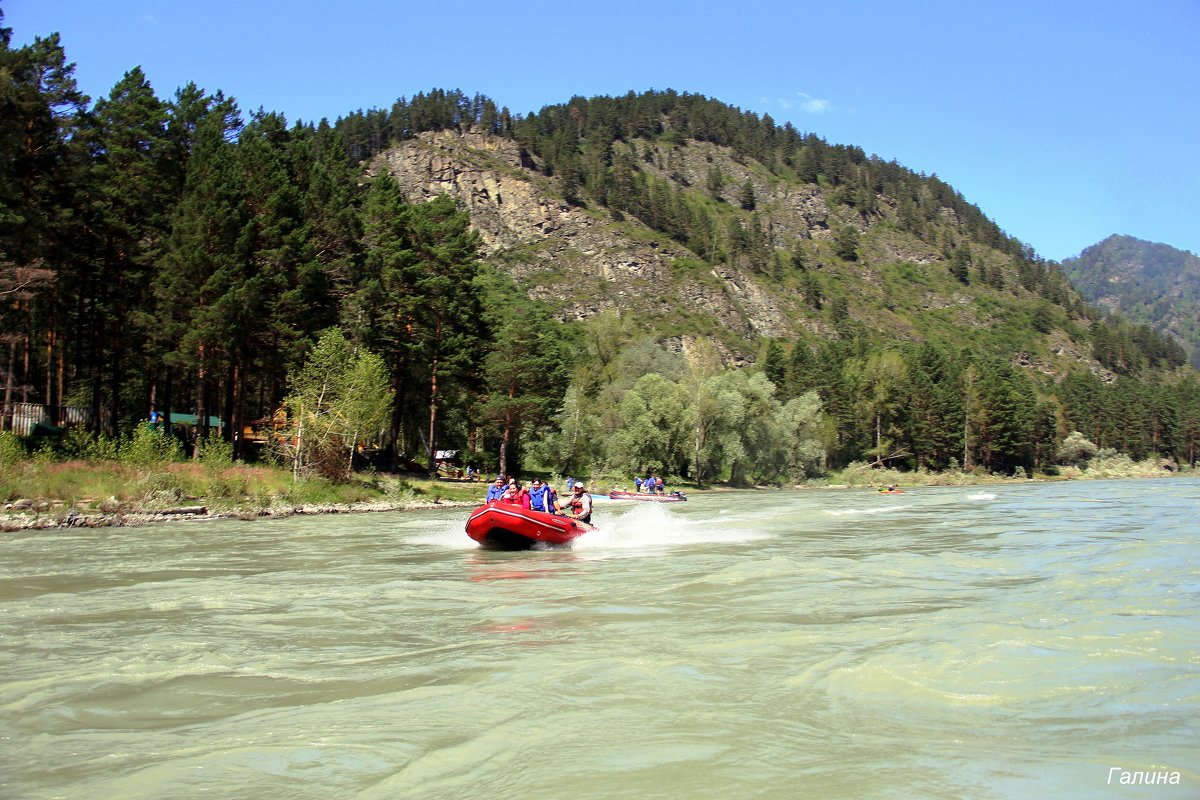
853,512
449,534
654,527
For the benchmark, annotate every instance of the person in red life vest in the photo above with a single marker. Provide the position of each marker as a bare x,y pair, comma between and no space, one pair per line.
515,494
580,503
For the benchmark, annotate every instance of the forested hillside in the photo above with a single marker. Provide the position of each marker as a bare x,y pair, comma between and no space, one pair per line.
657,282
1151,284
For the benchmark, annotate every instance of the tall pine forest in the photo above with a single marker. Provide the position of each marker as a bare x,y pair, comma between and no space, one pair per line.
669,284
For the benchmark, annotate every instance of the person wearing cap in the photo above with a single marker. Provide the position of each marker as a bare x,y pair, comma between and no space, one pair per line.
580,503
496,490
540,498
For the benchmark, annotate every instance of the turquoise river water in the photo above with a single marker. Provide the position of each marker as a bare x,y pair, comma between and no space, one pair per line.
1005,641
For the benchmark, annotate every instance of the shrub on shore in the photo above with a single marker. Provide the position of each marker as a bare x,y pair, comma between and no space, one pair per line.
1105,464
147,472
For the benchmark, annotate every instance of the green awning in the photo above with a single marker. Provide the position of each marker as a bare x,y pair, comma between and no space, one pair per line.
190,420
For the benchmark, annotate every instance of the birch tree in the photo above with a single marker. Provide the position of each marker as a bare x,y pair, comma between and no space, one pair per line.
339,399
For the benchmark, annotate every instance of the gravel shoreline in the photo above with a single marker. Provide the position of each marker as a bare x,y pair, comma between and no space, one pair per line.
16,517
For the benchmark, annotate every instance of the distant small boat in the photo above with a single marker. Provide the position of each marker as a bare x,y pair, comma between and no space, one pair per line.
673,497
503,526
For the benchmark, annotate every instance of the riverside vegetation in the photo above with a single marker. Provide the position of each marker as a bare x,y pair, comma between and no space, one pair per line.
656,282
145,478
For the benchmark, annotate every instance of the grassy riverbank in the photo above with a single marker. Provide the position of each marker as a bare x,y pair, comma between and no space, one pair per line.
1108,465
138,487
140,482
81,493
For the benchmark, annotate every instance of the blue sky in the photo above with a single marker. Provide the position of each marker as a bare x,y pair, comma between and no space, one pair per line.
1065,121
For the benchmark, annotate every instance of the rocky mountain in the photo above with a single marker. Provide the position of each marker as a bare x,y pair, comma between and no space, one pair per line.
582,261
687,224
1154,284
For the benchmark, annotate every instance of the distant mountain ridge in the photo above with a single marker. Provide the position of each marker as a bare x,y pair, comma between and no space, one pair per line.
1150,283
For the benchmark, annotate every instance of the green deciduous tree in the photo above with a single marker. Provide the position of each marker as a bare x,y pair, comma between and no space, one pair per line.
881,389
339,398
800,430
714,416
653,435
1076,450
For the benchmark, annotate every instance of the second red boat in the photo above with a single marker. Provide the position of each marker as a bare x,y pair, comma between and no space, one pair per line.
673,497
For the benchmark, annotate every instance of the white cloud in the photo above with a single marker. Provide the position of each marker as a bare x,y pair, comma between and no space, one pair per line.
813,105
806,103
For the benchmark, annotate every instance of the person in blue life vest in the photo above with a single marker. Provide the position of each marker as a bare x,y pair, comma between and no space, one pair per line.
496,490
540,496
637,484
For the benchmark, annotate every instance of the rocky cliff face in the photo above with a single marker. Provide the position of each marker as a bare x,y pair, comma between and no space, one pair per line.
580,260
586,260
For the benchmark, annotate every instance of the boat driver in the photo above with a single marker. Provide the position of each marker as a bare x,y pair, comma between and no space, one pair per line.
580,503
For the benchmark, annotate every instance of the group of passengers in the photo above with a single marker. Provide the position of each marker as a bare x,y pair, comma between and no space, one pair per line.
651,484
541,496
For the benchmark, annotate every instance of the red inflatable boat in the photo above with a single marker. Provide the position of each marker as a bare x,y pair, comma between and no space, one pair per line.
673,497
503,526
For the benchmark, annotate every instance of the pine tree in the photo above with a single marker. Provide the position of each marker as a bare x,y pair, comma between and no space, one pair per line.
200,257
430,281
41,158
773,364
845,243
960,262
131,191
525,371
746,199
